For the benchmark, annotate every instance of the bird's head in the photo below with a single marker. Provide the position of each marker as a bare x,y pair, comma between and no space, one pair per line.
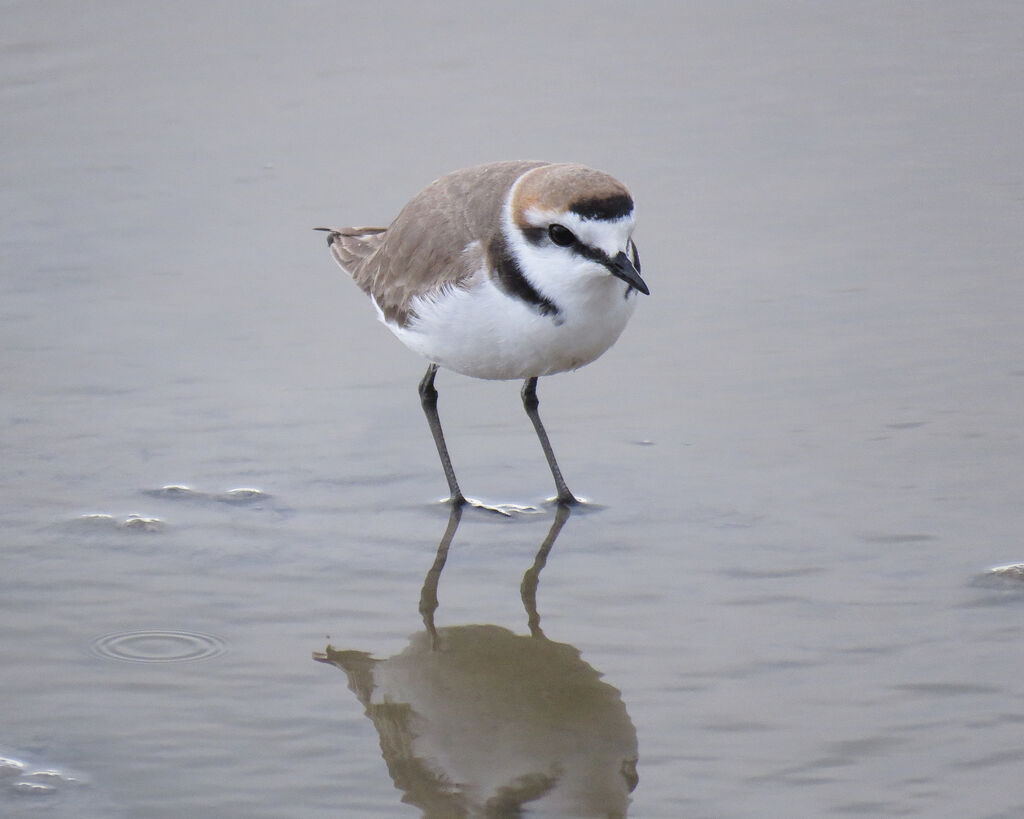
569,224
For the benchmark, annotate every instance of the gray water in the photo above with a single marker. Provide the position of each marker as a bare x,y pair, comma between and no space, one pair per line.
804,454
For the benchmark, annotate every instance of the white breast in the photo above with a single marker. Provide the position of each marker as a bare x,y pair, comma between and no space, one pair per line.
483,332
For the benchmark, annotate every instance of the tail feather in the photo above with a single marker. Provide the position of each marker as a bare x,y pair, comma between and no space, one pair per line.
352,246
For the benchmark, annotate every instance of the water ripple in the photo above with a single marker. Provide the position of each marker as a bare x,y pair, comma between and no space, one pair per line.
158,646
1009,577
134,523
241,495
18,777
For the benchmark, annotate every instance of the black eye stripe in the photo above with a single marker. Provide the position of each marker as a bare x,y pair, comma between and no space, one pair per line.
537,235
534,235
592,253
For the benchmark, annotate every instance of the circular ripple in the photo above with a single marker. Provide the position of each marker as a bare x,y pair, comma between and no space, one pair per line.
158,646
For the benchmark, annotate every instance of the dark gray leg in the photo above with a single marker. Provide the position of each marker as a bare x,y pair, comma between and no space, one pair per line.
530,404
428,398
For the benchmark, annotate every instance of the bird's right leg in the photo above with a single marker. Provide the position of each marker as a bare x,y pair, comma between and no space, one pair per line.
428,398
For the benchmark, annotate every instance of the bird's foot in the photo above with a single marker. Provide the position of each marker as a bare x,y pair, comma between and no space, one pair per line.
507,510
570,501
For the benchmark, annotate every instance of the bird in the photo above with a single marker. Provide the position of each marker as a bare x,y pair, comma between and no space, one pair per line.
508,270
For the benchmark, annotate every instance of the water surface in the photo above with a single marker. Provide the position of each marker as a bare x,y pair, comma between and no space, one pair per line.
805,452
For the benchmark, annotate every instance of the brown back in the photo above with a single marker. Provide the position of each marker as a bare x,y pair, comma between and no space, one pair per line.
424,248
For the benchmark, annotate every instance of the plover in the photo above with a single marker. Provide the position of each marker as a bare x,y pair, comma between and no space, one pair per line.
509,270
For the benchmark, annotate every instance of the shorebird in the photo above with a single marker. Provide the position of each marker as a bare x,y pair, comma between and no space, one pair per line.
509,270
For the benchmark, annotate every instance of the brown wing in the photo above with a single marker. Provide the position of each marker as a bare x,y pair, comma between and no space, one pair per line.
430,245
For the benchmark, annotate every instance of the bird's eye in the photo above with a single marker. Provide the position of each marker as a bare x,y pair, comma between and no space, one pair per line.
561,235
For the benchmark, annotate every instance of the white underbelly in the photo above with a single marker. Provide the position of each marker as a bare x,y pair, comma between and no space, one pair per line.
485,333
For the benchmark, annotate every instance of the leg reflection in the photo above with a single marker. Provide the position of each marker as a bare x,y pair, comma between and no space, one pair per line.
428,595
528,588
476,720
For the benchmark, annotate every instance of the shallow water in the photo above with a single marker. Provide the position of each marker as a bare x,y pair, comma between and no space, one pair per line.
805,452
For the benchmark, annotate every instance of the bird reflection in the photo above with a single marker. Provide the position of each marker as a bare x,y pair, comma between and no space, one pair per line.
477,721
